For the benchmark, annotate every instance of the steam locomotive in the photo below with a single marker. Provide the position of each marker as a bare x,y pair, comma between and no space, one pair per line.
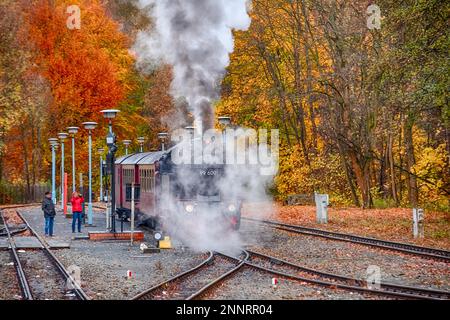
164,188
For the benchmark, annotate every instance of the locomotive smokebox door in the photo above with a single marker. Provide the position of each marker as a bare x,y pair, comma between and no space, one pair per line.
137,192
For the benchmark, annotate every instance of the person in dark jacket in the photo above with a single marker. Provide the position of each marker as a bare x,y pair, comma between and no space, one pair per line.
77,210
49,213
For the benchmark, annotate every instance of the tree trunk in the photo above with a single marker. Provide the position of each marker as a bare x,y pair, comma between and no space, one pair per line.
410,161
348,174
362,179
391,169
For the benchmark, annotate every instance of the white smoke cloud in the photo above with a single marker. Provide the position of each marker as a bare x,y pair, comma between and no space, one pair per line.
195,37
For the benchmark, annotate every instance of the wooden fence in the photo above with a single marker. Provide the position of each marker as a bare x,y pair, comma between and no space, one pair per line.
15,194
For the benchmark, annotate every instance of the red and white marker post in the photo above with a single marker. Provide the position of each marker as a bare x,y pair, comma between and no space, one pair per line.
274,282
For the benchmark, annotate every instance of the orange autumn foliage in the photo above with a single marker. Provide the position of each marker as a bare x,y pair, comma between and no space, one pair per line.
82,72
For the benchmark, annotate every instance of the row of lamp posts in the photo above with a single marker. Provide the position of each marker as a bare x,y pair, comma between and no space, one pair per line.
62,136
109,114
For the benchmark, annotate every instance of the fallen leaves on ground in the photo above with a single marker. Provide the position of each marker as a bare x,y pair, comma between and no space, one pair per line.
391,224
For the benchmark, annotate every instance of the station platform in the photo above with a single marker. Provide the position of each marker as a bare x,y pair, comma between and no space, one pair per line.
62,230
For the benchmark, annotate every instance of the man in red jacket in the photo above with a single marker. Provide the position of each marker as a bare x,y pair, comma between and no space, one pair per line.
77,209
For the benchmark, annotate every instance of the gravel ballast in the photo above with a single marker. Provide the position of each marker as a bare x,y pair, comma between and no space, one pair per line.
348,259
9,284
104,264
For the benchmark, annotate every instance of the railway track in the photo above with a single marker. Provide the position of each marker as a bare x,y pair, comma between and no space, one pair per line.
196,282
292,271
426,252
31,264
22,279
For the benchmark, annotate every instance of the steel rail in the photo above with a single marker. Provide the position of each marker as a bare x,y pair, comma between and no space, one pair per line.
79,292
223,277
426,252
23,282
145,295
351,283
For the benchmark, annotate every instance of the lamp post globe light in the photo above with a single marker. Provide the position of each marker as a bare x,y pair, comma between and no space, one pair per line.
62,136
126,143
110,114
100,151
90,126
224,120
53,145
141,141
73,131
162,136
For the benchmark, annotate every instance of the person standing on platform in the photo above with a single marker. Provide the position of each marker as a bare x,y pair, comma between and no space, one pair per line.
49,213
77,210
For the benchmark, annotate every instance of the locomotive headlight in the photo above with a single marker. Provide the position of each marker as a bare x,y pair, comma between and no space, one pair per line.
189,208
158,235
231,208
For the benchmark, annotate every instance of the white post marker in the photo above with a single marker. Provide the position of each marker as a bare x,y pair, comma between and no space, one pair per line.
132,212
418,223
322,201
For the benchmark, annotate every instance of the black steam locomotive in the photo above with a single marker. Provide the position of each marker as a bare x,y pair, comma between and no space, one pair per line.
164,189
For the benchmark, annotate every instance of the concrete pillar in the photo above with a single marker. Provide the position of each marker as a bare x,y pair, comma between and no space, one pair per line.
322,201
418,223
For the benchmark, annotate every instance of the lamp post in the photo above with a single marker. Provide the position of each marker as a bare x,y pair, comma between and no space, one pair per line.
162,136
110,114
90,126
53,145
73,131
141,141
62,136
191,132
126,143
225,121
100,151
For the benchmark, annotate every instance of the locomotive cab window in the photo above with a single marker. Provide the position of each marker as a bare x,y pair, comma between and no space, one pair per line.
128,176
137,192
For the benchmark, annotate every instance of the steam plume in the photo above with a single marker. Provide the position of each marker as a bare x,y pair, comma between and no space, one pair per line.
195,37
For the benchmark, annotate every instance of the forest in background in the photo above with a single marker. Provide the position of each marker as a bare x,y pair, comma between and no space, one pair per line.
363,114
